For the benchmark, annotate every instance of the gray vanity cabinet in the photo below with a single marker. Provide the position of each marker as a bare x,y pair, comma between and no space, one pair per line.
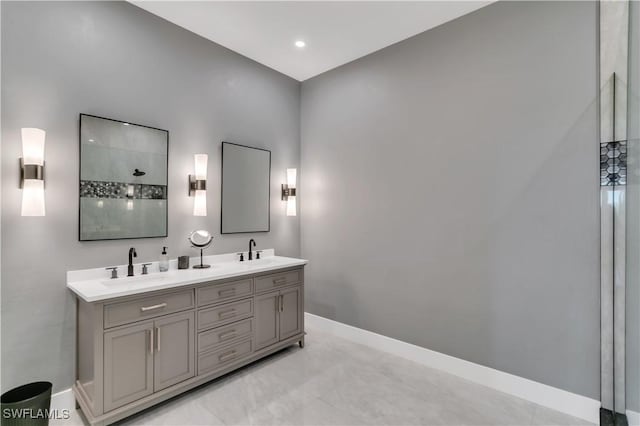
136,351
267,321
174,357
291,312
148,357
128,359
279,315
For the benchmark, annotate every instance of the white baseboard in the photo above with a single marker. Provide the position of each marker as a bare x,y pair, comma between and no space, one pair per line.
63,400
547,396
633,417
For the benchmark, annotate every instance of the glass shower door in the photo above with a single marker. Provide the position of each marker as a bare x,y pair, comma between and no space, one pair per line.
632,311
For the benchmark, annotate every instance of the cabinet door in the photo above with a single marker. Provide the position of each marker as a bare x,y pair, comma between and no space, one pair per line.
266,315
174,350
128,364
290,312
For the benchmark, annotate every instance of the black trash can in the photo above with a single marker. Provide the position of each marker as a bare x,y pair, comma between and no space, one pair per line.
26,405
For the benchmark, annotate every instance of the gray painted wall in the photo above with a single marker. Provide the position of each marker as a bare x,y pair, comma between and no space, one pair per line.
449,190
112,59
633,217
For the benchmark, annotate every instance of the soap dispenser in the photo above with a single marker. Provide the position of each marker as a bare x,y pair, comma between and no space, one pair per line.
164,261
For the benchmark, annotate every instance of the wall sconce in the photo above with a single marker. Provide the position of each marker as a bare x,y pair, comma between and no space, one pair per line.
198,185
130,195
289,192
32,172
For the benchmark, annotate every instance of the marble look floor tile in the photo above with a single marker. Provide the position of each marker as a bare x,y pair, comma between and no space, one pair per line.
336,382
304,410
74,419
180,411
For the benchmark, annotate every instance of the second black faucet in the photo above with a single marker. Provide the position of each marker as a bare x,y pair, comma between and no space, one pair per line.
132,254
251,242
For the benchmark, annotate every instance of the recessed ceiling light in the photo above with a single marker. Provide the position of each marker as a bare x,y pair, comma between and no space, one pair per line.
91,140
125,124
300,43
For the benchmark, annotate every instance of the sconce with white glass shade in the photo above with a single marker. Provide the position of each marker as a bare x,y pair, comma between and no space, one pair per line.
32,172
130,196
289,192
198,185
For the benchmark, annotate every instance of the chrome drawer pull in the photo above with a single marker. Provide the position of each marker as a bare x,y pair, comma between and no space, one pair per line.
279,281
151,308
229,334
229,313
227,292
227,356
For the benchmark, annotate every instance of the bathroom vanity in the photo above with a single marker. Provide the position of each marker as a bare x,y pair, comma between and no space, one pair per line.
144,339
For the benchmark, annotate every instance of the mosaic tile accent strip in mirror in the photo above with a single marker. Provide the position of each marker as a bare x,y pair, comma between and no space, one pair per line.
97,189
613,163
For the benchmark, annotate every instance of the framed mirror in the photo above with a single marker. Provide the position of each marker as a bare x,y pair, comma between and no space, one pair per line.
246,179
123,180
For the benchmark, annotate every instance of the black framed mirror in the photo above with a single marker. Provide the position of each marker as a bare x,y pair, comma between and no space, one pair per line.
246,182
123,179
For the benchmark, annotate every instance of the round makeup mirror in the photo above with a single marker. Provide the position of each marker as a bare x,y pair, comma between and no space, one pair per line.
200,239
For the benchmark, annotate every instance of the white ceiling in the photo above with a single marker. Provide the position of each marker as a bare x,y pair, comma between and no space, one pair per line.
335,32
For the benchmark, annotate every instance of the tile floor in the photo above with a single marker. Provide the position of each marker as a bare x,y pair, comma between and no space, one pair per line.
336,382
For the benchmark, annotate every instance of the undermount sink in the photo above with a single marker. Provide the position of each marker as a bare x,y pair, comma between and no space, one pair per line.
136,280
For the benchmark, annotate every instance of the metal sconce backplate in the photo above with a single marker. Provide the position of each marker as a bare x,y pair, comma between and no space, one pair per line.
196,185
287,192
30,171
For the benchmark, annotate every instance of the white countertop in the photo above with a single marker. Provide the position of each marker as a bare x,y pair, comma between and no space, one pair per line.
93,285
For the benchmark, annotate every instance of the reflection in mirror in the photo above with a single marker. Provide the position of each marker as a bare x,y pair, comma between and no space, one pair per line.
123,180
246,174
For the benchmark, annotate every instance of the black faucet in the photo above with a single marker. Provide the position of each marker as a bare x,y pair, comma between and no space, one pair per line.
132,254
251,241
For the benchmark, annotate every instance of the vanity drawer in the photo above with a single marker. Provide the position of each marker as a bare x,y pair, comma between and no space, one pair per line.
209,340
269,282
220,292
224,314
148,307
214,360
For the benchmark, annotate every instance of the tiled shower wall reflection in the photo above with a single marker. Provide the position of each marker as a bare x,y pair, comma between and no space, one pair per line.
113,218
614,19
114,210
